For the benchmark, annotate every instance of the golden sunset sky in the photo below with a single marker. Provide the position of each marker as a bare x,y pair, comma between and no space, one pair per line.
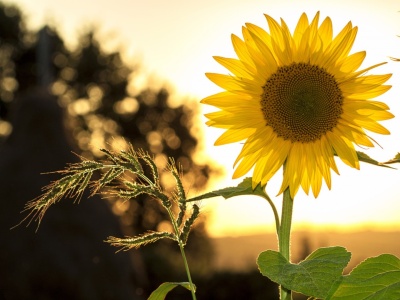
174,41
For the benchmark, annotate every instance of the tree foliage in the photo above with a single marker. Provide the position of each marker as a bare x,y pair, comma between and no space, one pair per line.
92,86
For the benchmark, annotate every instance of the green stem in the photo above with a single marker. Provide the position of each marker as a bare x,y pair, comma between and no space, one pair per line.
182,248
284,235
192,287
276,216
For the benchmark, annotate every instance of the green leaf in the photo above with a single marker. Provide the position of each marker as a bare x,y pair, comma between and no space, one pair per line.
365,158
161,292
243,188
376,278
314,276
396,159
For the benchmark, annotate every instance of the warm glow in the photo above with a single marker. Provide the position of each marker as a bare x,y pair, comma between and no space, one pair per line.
126,106
5,128
179,46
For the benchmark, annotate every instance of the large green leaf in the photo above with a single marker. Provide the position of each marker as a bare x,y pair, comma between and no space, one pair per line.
243,188
161,292
314,276
376,278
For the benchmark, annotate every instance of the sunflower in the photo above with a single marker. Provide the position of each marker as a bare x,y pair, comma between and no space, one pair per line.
297,100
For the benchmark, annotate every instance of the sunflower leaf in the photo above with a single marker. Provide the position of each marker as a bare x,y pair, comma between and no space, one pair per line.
315,276
375,278
243,188
161,292
367,159
396,159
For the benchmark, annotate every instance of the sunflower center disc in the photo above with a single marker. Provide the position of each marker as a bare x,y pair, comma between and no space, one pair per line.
301,102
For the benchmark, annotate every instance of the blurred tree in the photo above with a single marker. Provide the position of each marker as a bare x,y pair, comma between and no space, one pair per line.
92,86
11,27
66,258
104,113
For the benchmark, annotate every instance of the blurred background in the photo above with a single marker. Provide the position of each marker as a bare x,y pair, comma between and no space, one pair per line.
76,76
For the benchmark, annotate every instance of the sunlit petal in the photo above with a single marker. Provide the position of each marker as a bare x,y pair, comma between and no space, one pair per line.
297,100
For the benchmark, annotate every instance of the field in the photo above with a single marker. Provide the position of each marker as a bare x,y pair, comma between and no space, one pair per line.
240,253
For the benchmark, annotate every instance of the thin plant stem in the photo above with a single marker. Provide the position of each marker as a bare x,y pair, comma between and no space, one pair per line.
182,248
276,216
192,287
284,236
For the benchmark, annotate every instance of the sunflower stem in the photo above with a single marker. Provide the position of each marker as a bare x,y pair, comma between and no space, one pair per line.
284,236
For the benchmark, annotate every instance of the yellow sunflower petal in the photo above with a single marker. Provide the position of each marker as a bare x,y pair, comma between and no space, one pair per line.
234,135
352,62
364,84
373,126
338,47
326,32
316,40
301,28
354,134
242,53
246,164
363,71
259,32
235,66
262,64
367,94
322,163
244,119
255,142
344,149
361,104
327,153
297,100
294,169
228,99
270,62
279,41
269,164
316,182
231,83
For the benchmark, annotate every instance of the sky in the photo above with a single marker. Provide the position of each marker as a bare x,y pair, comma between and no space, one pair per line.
174,41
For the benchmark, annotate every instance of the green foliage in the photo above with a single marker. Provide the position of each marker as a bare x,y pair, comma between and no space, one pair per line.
243,188
118,168
161,292
313,277
181,195
365,158
75,181
124,176
376,278
396,159
188,224
320,275
141,240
